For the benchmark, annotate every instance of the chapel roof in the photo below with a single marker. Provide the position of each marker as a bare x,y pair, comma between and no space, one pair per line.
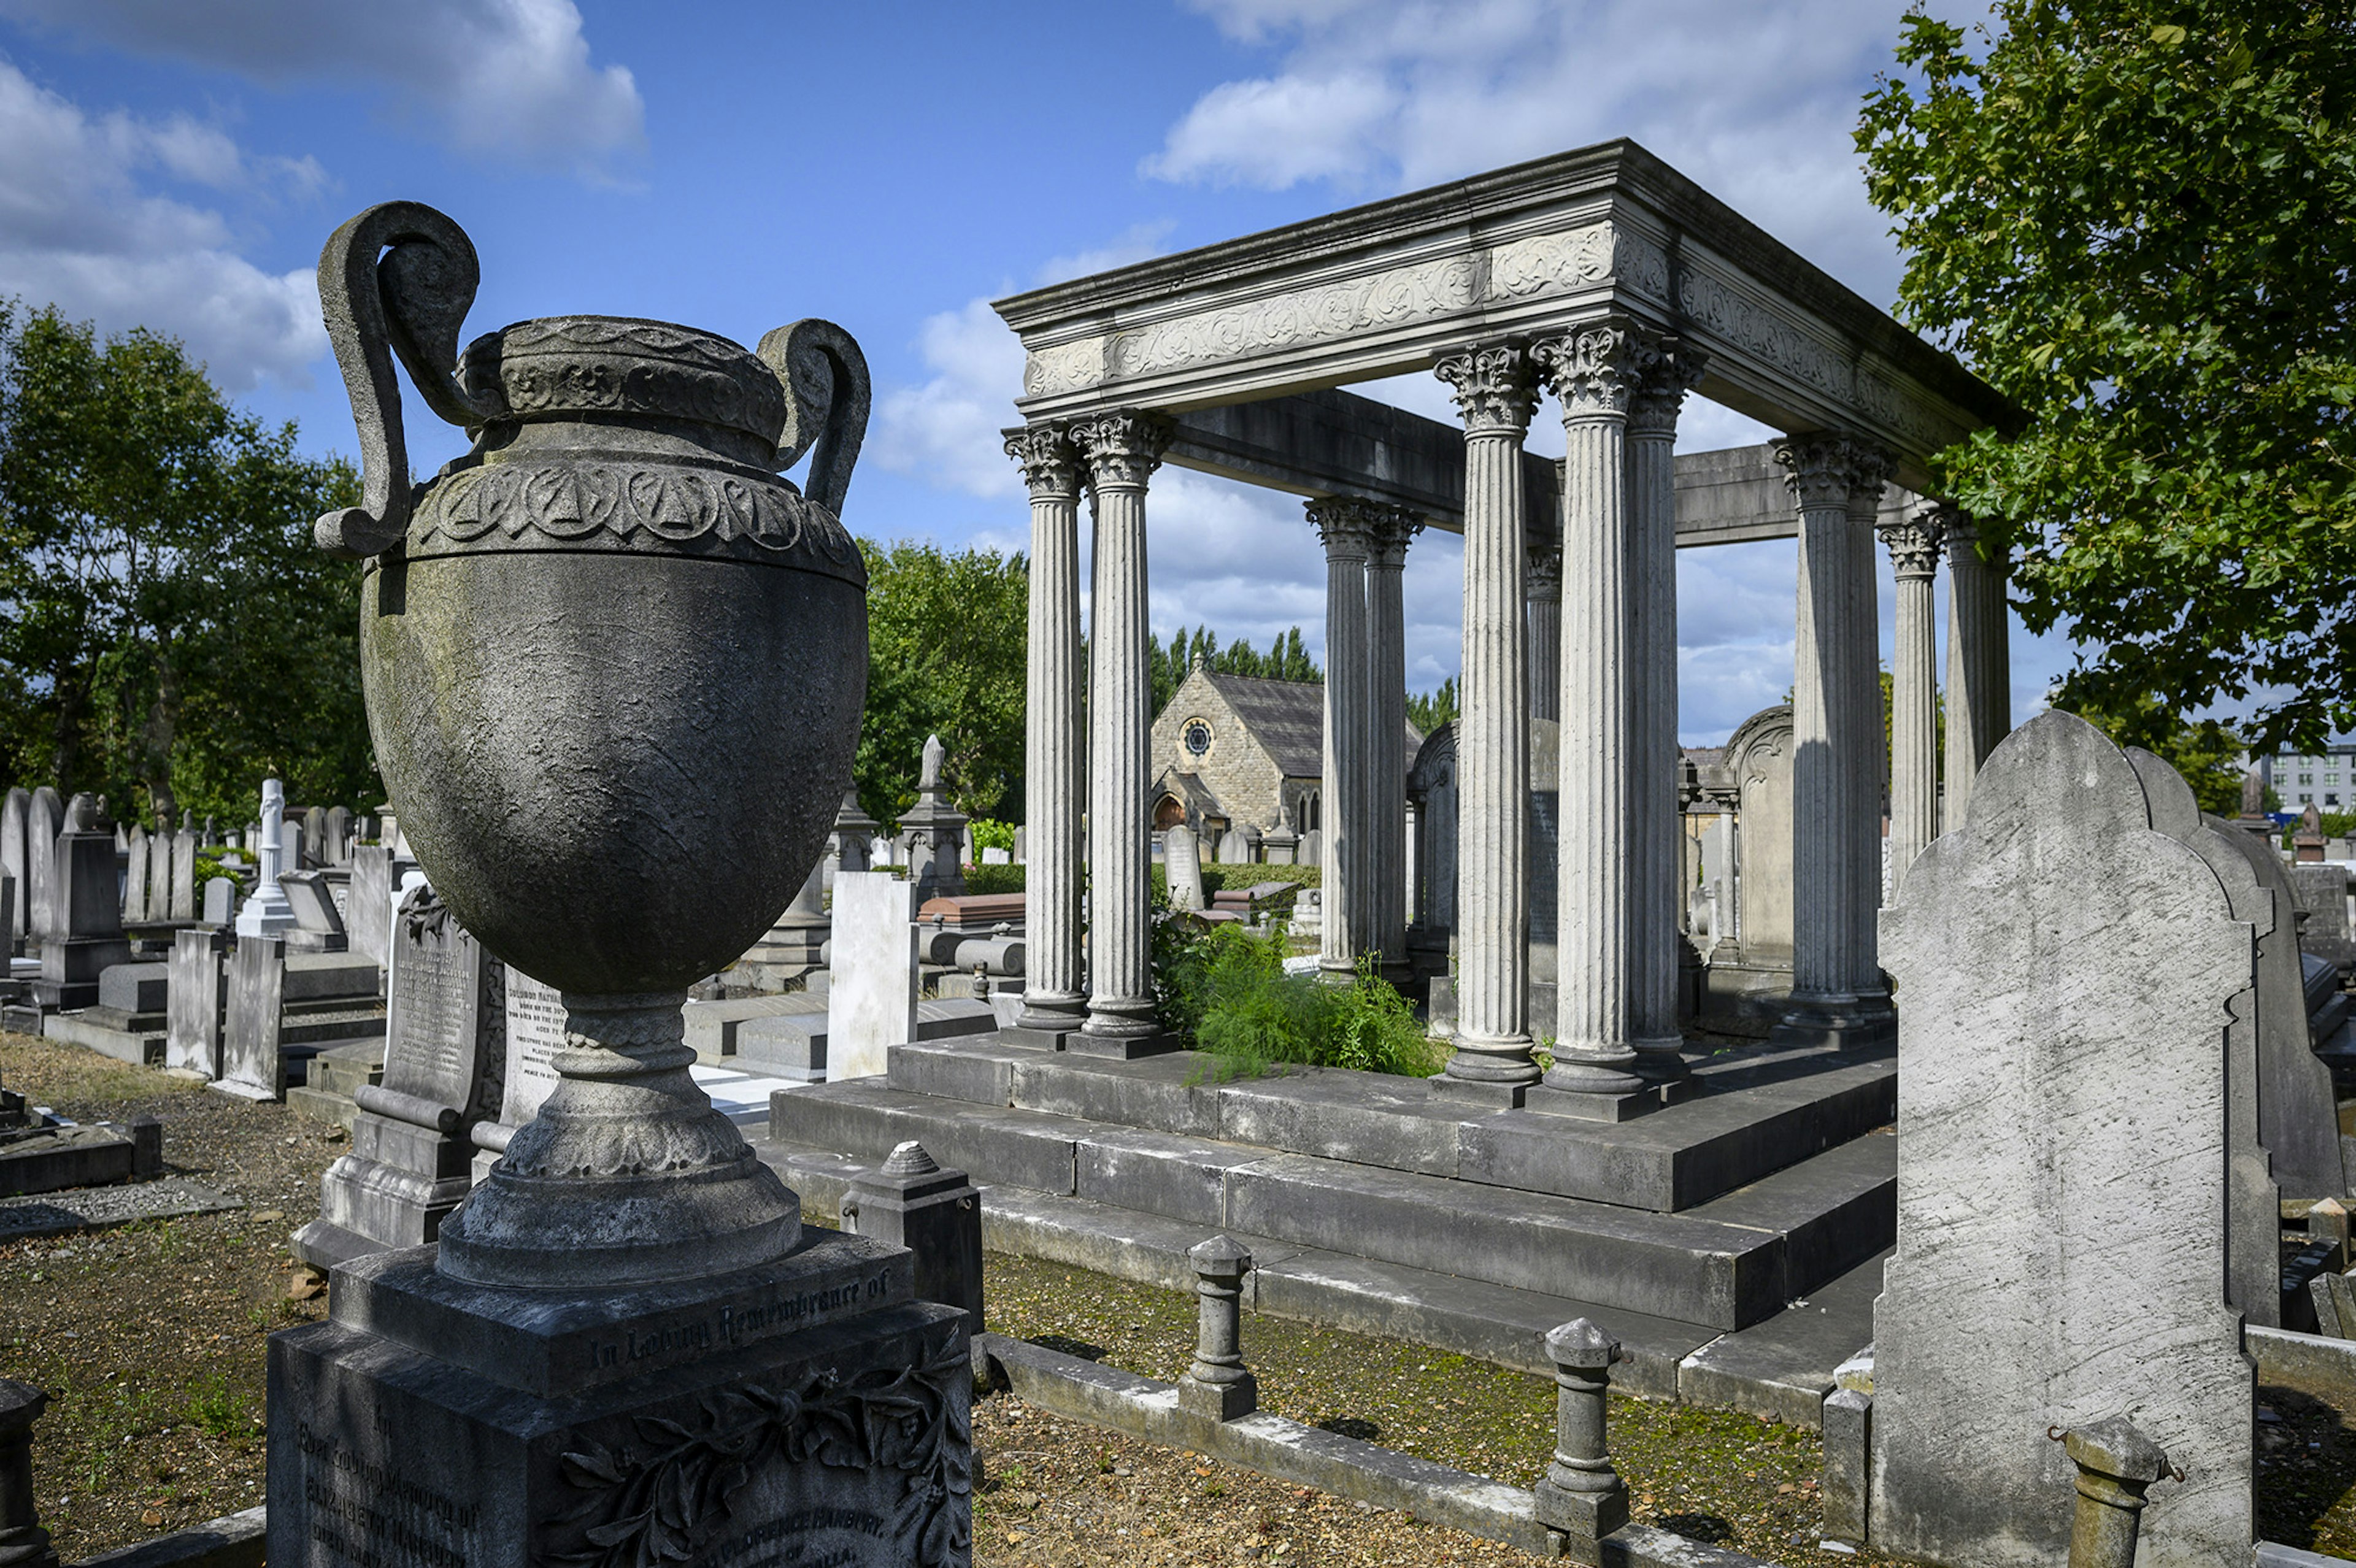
1288,718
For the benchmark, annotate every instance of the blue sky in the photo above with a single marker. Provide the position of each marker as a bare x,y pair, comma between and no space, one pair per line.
894,167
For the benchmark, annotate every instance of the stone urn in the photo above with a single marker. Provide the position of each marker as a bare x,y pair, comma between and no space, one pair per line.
615,664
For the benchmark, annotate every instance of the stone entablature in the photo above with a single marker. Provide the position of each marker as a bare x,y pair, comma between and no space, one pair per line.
1526,251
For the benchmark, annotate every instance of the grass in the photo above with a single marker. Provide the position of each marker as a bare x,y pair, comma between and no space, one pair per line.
1227,987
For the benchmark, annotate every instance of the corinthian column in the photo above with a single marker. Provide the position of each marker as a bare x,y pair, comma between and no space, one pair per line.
1496,389
1979,681
1385,843
1346,929
1871,757
1594,372
1669,370
1121,449
1053,757
1913,545
1836,713
1543,584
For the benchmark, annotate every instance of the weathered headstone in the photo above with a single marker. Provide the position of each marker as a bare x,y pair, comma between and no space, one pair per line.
336,837
2065,973
314,838
2306,839
368,918
252,1066
2322,892
935,833
184,876
1182,862
45,818
198,1003
445,1058
14,864
532,1025
85,936
318,928
1312,847
872,998
220,900
135,882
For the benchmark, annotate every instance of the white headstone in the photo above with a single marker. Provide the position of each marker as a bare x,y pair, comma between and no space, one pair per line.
220,900
995,857
535,1034
871,994
135,876
1182,861
2064,975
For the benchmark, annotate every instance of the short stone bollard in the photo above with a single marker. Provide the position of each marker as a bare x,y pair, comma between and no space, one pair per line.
2117,1462
1581,1495
23,1542
934,1213
1217,1384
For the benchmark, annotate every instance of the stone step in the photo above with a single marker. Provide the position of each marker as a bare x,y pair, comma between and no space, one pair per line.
1779,1369
1753,1112
1727,1264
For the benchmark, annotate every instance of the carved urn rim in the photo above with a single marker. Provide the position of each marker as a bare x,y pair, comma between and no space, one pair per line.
559,367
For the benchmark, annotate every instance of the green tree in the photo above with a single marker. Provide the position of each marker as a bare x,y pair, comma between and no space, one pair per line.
1286,660
1429,710
946,637
2137,221
168,635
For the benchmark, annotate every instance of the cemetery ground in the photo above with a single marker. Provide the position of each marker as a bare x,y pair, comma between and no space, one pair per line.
150,1339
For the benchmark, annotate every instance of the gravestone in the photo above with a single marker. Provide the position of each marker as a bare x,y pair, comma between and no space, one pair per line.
198,1003
1182,861
1312,847
14,813
85,935
995,855
314,838
252,1066
368,918
44,820
336,837
1021,846
290,840
2306,839
532,1027
1237,845
2322,891
220,900
2065,975
872,996
184,876
791,947
2298,1115
445,1060
135,882
318,928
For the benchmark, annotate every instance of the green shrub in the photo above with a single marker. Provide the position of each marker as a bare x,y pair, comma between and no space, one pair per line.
207,867
991,834
994,879
1227,988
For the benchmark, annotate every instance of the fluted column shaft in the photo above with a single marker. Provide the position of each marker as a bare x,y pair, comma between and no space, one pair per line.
1870,759
1544,578
1669,370
1594,372
1497,390
1913,545
1834,695
1054,758
1967,693
1386,844
1346,930
1122,449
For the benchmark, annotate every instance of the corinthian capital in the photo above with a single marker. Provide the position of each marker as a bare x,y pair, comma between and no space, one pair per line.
1122,447
1593,369
1542,576
1347,524
1495,387
1050,463
1831,470
1391,529
1669,369
1913,541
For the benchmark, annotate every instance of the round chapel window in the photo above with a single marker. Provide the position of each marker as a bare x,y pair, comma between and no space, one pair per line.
1198,736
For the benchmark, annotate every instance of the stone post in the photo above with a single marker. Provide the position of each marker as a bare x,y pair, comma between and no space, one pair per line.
1913,545
1386,759
1122,449
1055,760
1967,694
2117,1465
23,1542
911,1202
1669,370
1496,389
1594,372
1542,583
1836,712
1581,1495
267,912
1346,526
1217,1385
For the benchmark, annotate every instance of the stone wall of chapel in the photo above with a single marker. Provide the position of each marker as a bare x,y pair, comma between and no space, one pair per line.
1236,769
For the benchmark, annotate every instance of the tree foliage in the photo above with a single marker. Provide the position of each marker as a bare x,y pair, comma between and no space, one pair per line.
1429,710
2212,755
2139,223
168,635
1286,660
947,635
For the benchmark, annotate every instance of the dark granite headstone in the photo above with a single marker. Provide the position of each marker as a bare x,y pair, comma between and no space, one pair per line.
86,936
444,1061
199,980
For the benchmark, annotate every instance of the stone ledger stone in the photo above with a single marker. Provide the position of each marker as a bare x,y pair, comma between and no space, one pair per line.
2066,974
806,1410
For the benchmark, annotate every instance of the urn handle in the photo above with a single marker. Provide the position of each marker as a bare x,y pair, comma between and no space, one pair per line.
827,392
397,278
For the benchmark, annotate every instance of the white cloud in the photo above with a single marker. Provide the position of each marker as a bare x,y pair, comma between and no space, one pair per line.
510,79
78,229
1755,99
946,430
1138,242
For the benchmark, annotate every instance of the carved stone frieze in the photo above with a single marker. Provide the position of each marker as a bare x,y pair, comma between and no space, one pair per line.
1495,387
1122,448
1594,371
569,365
546,502
1050,463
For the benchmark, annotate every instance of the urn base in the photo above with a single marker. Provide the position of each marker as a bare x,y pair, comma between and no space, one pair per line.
808,1411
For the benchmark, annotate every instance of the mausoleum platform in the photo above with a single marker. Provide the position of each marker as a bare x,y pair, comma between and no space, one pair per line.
1732,1240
